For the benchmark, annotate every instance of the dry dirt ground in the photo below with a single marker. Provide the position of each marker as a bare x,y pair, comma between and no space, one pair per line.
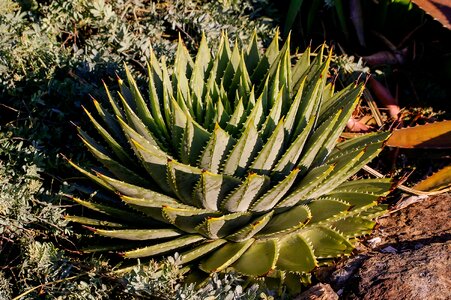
407,257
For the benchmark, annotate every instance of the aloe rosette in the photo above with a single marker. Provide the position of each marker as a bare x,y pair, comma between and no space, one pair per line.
232,160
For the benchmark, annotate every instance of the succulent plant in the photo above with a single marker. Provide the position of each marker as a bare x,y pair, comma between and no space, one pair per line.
232,160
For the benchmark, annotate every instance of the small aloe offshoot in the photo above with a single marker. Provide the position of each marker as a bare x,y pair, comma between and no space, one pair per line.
231,159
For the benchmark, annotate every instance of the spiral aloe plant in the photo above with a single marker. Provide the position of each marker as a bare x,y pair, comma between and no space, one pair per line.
232,160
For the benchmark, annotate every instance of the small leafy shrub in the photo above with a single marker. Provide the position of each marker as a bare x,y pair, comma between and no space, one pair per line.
233,160
38,39
5,287
21,186
155,279
165,280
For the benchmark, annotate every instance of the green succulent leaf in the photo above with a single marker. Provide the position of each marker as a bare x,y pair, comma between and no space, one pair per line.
182,179
251,229
243,152
138,234
326,242
290,158
91,176
187,219
117,213
211,189
225,256
219,227
267,252
201,250
114,145
358,143
308,183
244,195
237,118
356,200
112,165
155,164
287,221
324,209
252,54
195,137
138,125
274,115
300,68
92,222
131,190
272,197
154,201
378,186
353,226
215,152
290,260
271,151
316,141
163,247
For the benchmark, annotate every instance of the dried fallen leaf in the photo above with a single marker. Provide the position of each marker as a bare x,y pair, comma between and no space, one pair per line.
438,9
355,125
404,202
432,136
439,181
400,186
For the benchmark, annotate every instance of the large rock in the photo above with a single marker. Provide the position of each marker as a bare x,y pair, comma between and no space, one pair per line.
408,256
415,274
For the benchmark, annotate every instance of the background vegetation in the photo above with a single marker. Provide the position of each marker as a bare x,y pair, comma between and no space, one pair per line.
53,55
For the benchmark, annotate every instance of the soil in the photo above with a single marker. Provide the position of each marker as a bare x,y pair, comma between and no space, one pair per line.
407,257
425,222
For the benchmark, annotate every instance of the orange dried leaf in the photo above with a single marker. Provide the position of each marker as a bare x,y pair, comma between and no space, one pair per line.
438,9
434,135
439,181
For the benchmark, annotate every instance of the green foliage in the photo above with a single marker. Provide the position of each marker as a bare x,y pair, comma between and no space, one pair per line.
46,270
224,286
26,51
20,185
165,280
37,40
155,279
233,159
5,287
25,204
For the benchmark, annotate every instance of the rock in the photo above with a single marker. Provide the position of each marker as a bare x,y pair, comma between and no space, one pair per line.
408,256
318,292
341,276
415,274
423,222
